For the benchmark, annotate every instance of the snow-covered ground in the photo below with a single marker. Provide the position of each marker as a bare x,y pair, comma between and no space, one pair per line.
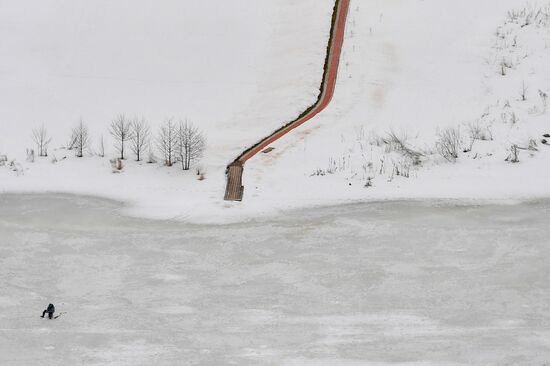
416,68
402,283
241,69
236,69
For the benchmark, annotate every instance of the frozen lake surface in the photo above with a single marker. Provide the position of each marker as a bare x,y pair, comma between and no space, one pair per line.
383,283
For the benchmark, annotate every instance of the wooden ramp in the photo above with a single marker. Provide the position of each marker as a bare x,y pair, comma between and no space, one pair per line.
234,189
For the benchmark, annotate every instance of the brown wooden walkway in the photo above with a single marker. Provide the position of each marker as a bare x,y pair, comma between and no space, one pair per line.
234,190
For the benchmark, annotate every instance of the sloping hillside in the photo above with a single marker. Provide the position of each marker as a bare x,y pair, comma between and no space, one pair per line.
405,81
412,71
236,70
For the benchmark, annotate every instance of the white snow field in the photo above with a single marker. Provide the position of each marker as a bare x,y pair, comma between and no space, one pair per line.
415,68
393,283
236,69
240,69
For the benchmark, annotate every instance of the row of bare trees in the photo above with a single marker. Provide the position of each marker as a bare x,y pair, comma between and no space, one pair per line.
177,142
134,133
181,142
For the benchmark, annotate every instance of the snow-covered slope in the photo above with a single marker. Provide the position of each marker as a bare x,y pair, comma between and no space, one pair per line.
416,68
240,70
206,61
236,69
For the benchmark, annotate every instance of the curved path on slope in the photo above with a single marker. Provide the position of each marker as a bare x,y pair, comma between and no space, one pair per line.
234,190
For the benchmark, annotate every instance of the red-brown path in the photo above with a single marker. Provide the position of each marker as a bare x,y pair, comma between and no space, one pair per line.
235,189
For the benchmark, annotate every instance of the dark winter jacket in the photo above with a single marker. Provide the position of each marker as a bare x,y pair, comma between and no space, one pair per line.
51,308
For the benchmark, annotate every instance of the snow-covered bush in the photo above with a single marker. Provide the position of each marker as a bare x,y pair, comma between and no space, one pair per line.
334,166
116,165
16,168
399,144
200,174
42,140
478,132
30,155
448,144
513,157
544,100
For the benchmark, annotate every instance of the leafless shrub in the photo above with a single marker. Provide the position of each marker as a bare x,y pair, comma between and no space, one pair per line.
544,100
15,167
382,165
510,117
42,140
523,92
200,175
116,165
532,146
513,157
71,141
318,173
121,130
402,168
30,155
376,140
477,132
399,144
503,68
527,16
448,144
334,166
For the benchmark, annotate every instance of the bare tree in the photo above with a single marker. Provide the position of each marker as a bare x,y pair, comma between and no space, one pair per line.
190,144
140,132
80,138
166,142
121,130
42,140
448,144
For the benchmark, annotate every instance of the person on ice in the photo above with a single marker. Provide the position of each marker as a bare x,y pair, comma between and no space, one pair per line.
50,310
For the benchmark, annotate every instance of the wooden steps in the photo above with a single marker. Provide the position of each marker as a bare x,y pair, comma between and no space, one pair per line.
234,189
